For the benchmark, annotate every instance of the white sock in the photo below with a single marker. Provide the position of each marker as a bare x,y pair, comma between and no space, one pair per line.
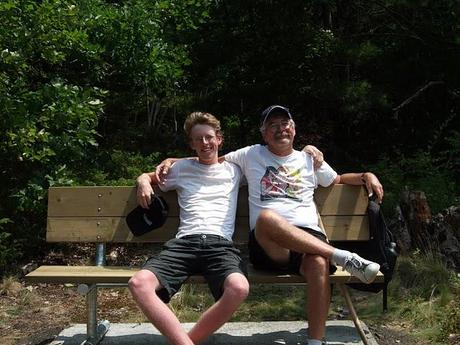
339,256
314,342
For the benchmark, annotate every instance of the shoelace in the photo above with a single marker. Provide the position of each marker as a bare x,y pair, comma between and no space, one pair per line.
353,262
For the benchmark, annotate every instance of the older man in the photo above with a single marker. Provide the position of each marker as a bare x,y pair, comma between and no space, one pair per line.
285,233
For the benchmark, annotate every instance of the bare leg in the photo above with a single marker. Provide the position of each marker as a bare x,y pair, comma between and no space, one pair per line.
315,269
236,289
143,286
277,236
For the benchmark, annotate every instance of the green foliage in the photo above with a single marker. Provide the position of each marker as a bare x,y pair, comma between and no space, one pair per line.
7,246
49,121
420,171
70,72
120,168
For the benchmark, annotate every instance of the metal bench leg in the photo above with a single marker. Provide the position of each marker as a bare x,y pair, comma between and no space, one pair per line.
94,331
353,314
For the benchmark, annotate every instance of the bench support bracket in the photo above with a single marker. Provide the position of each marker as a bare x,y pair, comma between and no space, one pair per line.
353,314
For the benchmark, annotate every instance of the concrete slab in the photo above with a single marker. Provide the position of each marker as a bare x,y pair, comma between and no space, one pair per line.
248,333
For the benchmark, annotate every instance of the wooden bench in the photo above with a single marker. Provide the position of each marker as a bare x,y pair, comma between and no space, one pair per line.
97,214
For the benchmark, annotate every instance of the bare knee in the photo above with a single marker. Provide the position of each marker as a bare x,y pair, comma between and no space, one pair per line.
237,289
141,280
266,219
314,266
267,215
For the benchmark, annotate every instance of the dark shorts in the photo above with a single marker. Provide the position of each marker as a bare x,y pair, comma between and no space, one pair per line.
260,259
211,256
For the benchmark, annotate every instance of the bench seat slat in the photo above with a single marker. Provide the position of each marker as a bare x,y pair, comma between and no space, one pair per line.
121,274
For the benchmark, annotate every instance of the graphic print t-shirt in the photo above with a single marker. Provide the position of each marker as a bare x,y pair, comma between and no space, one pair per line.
284,184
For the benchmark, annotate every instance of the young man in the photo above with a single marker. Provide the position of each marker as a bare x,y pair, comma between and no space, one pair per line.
207,193
285,233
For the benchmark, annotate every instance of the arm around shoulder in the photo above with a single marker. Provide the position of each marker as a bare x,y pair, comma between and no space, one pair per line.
316,154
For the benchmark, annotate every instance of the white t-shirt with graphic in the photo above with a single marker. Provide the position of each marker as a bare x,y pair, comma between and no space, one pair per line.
207,196
284,184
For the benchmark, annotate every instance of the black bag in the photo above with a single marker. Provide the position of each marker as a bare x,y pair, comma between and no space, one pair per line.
381,249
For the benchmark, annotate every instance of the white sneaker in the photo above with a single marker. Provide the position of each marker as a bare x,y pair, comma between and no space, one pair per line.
363,269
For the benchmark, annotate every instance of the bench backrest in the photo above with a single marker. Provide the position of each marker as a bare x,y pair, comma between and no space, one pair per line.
97,214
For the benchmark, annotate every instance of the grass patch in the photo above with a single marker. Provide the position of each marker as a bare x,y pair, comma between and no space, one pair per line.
263,304
424,294
268,303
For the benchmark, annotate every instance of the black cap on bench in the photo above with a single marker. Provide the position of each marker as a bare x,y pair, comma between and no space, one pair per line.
141,220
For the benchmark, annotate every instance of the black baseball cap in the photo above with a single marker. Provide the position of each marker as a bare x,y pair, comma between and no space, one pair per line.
273,109
143,220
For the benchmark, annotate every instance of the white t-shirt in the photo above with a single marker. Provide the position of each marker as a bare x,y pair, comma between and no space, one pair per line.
207,196
284,184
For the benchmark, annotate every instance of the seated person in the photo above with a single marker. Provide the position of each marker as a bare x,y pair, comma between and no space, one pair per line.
207,194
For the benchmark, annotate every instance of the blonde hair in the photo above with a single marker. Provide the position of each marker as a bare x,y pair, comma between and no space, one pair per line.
200,118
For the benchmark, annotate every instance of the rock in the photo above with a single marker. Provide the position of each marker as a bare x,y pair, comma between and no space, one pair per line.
31,266
454,338
398,228
113,256
452,217
443,232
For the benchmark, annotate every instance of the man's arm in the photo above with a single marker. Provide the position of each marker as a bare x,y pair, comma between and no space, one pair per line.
317,155
162,169
144,188
368,179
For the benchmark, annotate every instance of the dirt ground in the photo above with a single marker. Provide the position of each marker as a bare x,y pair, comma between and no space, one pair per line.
35,314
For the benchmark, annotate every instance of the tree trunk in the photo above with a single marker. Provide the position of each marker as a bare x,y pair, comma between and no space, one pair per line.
417,214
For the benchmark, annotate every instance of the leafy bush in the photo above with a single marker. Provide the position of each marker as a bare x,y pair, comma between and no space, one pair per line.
420,171
119,168
8,248
71,76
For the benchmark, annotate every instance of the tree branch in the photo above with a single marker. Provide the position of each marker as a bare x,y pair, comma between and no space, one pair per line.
417,94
